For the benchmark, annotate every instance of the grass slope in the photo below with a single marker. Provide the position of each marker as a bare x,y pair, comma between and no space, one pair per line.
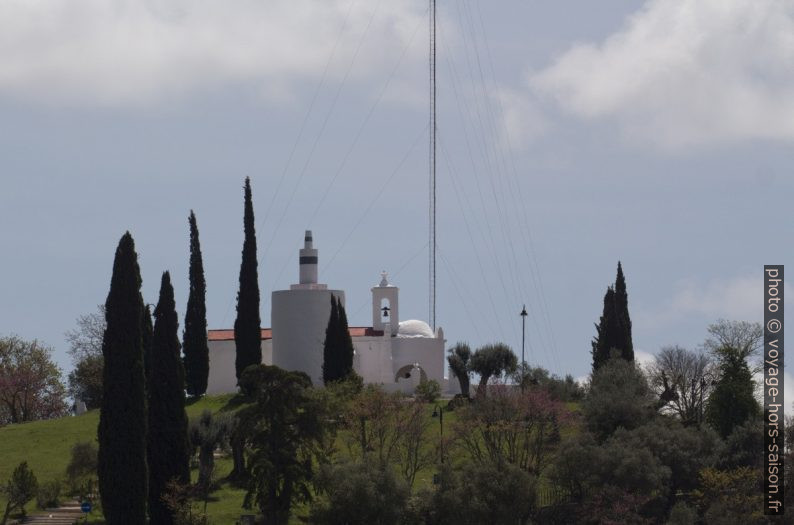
47,445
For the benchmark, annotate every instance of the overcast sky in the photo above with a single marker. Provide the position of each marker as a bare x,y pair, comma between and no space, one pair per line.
571,135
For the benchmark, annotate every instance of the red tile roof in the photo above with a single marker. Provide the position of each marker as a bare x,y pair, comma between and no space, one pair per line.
228,333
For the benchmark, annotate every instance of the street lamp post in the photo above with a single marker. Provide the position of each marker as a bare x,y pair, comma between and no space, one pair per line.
712,380
523,315
438,412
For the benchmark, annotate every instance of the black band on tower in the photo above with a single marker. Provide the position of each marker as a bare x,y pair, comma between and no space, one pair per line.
308,259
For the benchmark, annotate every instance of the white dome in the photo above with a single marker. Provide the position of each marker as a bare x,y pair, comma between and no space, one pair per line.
414,328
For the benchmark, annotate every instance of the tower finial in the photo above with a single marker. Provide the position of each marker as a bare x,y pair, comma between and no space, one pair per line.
384,281
308,261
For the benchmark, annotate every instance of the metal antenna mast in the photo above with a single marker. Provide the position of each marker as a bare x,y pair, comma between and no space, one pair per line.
432,243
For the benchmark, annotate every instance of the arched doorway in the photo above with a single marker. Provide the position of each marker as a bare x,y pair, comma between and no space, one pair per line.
406,371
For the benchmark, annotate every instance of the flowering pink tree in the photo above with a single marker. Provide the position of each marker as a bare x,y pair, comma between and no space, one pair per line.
30,383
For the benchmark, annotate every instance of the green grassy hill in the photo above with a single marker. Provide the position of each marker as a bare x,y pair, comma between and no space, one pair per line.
47,445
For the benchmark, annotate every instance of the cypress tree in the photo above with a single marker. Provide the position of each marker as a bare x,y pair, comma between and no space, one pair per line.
247,332
345,342
168,449
122,418
146,338
625,344
338,345
330,363
606,331
197,357
613,332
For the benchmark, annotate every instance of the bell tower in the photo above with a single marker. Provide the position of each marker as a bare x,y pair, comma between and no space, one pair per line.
385,307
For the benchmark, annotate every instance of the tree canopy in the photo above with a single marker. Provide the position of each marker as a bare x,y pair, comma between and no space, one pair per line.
283,425
30,382
197,359
492,360
613,331
167,450
459,361
122,417
247,331
338,345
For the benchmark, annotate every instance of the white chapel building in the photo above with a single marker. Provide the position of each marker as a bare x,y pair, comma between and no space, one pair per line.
395,354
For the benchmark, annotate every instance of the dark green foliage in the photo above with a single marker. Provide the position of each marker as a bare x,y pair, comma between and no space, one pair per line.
608,477
147,335
282,427
19,489
458,359
683,450
566,389
742,446
179,500
492,361
613,331
625,343
48,495
478,493
122,418
619,397
85,381
330,364
85,349
208,433
167,439
338,345
428,391
359,493
197,357
732,402
81,470
247,331
682,514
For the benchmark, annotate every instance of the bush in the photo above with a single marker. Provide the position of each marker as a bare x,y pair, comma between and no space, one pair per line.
479,493
48,494
81,471
428,391
682,514
619,397
359,492
561,389
21,488
458,401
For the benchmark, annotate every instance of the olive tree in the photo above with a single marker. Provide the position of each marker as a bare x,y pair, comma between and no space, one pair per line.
492,360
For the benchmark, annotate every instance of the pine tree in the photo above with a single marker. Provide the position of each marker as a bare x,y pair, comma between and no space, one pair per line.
625,344
168,450
122,417
338,345
197,359
247,332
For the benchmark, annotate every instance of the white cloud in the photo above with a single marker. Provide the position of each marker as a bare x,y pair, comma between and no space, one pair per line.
738,298
522,120
683,73
643,358
122,51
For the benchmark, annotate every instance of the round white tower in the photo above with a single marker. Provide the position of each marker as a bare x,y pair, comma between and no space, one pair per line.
299,317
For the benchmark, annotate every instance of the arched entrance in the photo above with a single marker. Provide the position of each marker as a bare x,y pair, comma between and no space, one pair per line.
406,372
